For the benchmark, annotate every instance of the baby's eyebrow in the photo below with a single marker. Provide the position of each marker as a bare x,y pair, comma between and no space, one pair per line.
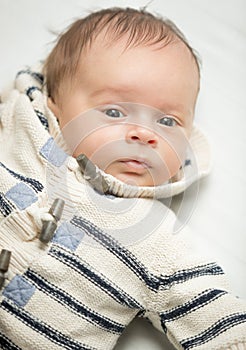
115,91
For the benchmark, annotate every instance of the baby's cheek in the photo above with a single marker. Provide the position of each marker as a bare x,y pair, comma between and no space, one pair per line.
171,160
94,143
103,139
87,146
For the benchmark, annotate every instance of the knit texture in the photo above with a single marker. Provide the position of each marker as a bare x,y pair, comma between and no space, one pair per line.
113,257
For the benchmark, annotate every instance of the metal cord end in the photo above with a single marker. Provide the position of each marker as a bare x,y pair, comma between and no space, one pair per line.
86,166
47,231
5,256
92,174
57,208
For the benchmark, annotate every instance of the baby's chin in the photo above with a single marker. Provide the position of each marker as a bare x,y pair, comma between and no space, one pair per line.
137,180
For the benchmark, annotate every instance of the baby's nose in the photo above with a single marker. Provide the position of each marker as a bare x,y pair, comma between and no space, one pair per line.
141,135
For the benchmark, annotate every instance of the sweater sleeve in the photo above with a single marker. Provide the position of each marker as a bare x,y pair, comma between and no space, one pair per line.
194,305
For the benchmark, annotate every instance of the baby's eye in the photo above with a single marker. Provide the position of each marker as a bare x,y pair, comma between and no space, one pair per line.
167,121
114,113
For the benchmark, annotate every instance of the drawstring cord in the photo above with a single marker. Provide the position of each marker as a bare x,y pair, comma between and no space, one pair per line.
39,215
46,220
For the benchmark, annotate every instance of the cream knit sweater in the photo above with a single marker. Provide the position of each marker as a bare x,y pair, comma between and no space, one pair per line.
113,257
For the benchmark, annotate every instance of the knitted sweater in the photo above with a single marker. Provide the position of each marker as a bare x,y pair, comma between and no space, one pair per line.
113,256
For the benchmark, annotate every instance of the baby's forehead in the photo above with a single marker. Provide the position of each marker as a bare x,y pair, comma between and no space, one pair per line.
109,37
108,45
162,36
159,77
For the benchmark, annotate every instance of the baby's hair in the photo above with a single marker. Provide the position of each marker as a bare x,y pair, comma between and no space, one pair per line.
141,27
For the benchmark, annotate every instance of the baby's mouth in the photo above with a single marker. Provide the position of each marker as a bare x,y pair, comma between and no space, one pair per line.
136,165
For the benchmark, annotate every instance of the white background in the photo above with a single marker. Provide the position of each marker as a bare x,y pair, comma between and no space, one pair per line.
217,30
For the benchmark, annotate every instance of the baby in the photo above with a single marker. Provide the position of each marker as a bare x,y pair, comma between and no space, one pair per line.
143,61
117,93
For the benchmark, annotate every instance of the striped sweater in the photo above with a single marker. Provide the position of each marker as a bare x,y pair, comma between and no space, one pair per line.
113,257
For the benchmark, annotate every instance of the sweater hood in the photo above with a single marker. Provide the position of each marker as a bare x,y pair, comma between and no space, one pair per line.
27,99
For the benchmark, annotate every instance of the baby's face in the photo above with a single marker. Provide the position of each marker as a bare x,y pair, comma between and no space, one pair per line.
144,99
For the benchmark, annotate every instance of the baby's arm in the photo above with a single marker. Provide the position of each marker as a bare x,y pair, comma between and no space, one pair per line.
194,306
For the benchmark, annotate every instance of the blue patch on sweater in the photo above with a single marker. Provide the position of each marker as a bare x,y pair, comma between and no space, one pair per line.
54,154
68,236
19,291
22,195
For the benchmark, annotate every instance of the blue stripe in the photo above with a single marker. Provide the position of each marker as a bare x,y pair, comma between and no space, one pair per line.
30,90
73,304
219,327
100,281
6,343
184,275
36,75
35,184
5,206
45,330
141,313
182,310
152,281
121,252
42,119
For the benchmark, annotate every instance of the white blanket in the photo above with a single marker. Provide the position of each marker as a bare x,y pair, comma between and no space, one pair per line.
217,30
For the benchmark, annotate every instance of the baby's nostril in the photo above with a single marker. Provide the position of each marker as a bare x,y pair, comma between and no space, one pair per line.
135,138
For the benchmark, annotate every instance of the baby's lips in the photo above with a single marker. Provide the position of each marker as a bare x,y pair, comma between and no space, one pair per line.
137,162
137,166
140,159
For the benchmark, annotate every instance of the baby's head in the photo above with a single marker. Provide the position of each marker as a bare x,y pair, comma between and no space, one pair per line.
130,81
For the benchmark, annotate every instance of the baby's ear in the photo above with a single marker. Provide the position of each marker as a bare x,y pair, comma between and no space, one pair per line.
53,107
